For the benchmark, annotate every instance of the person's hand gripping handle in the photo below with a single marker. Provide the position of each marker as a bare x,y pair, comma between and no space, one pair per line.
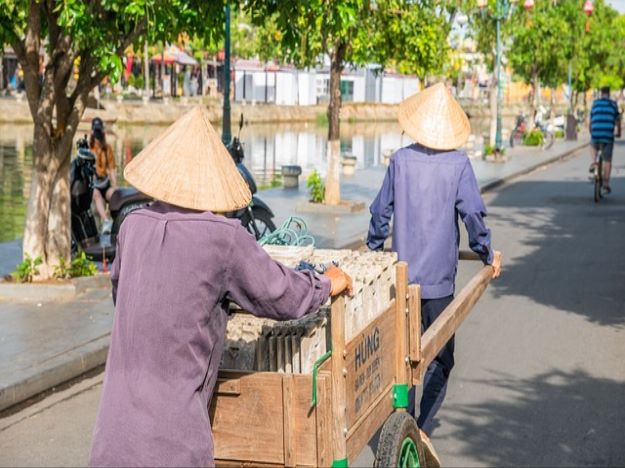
496,264
340,281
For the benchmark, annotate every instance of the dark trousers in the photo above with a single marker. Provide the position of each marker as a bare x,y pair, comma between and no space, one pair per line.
437,374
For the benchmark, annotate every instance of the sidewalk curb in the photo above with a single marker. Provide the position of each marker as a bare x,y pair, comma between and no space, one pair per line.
491,185
41,292
55,371
90,355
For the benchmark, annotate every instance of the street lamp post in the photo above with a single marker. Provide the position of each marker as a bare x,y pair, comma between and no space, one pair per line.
501,5
502,9
226,133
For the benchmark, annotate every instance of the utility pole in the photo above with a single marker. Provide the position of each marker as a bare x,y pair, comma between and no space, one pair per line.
226,133
503,8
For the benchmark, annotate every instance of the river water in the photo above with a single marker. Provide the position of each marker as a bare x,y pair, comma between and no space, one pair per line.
267,148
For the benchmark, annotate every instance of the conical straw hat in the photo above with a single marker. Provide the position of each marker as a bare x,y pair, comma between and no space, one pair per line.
433,118
189,166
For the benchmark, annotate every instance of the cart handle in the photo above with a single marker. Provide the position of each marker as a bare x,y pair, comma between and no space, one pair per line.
316,366
450,319
468,255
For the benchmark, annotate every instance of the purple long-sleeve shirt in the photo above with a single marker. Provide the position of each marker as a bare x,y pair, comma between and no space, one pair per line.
425,191
173,276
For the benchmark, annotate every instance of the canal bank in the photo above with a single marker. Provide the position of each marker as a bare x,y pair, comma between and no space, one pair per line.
46,344
164,112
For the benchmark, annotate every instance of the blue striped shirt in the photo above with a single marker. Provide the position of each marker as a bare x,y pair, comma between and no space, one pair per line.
602,120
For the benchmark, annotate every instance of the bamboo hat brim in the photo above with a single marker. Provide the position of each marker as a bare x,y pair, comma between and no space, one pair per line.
189,166
433,118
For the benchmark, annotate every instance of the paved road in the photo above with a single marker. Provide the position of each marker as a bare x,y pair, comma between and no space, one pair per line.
540,370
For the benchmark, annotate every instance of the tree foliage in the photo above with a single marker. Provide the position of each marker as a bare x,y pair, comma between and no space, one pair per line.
538,50
553,35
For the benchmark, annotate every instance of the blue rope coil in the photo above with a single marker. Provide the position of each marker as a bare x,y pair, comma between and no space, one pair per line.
292,232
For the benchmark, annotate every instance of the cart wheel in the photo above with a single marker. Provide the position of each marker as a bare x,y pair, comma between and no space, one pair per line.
400,443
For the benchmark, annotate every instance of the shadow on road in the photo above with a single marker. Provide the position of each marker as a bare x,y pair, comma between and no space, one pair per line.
573,251
554,419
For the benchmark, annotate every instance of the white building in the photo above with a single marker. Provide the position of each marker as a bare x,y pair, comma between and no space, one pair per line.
258,82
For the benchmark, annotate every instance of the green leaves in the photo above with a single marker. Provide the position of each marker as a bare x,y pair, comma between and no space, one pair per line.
315,186
409,35
27,270
553,35
81,265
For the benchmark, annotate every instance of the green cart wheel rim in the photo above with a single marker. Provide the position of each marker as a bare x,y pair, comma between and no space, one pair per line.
408,455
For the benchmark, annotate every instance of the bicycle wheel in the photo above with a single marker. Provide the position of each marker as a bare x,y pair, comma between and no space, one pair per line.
598,179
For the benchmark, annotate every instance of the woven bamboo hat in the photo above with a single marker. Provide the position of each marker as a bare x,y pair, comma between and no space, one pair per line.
433,118
189,166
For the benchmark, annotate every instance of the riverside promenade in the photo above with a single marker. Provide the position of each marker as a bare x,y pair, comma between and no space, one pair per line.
47,343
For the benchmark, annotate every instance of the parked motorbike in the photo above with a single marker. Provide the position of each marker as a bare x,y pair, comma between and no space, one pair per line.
85,235
521,128
257,216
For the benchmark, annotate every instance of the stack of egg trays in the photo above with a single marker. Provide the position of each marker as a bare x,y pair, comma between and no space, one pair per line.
293,346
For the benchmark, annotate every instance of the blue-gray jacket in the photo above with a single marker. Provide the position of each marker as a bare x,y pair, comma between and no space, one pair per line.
426,190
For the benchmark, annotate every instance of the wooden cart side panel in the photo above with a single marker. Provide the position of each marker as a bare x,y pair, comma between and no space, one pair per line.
245,464
414,325
248,422
339,397
370,423
305,421
370,359
324,418
290,421
402,364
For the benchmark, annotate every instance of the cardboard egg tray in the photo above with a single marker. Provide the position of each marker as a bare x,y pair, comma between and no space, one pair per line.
293,346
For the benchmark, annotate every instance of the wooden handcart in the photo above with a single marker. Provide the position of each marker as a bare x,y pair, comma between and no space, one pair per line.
327,417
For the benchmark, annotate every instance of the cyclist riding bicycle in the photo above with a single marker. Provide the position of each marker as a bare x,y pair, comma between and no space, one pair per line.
603,118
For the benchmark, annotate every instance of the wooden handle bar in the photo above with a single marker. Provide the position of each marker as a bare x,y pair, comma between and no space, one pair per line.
439,333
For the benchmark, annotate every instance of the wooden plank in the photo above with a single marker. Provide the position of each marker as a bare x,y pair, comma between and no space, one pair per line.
450,319
290,426
370,360
402,368
339,423
414,325
227,386
305,422
361,433
249,426
244,464
324,418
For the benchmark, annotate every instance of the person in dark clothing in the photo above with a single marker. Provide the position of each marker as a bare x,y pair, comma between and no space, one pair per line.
427,187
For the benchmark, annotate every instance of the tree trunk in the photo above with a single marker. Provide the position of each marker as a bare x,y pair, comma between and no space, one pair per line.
333,182
47,232
535,98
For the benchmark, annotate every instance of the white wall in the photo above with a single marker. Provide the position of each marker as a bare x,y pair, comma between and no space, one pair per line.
392,90
411,86
359,88
306,87
286,88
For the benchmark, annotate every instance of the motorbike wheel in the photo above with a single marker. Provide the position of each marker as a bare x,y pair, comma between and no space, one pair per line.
516,137
260,225
125,211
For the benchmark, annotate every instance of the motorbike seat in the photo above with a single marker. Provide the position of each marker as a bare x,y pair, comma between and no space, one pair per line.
123,195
